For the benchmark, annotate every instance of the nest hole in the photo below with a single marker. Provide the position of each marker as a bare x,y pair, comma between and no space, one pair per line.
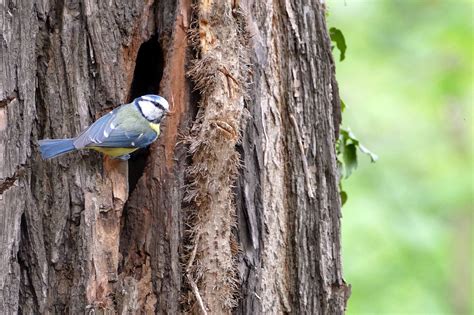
146,80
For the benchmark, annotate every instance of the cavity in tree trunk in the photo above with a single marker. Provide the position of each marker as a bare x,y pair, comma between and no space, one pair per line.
234,209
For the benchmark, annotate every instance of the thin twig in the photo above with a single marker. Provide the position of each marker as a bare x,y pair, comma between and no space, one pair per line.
193,284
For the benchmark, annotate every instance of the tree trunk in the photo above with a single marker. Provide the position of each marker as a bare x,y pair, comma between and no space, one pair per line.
234,209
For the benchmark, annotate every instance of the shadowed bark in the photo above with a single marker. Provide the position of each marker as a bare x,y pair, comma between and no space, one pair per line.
235,209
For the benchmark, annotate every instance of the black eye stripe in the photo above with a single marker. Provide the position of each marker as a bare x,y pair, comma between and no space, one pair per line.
160,106
139,109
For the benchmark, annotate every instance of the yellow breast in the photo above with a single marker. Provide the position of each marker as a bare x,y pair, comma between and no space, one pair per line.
155,127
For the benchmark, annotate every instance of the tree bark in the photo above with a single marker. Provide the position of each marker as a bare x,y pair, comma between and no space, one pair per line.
235,209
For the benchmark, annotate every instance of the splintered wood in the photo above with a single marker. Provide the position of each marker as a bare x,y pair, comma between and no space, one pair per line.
220,73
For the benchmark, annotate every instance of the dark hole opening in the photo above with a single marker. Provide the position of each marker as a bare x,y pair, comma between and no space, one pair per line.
146,80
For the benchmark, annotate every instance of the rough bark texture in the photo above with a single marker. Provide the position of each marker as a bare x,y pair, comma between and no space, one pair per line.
234,209
290,208
220,72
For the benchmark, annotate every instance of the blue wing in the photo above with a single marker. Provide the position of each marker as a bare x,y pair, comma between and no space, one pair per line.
119,138
96,132
124,127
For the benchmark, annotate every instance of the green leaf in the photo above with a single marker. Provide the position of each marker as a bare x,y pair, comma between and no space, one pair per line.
343,106
337,37
349,137
373,157
343,195
349,155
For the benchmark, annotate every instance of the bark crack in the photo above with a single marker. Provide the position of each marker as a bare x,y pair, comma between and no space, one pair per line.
307,174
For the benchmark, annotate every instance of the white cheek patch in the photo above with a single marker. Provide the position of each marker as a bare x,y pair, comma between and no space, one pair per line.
161,101
149,110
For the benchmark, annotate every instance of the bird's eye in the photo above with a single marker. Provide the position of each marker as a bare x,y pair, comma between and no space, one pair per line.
160,106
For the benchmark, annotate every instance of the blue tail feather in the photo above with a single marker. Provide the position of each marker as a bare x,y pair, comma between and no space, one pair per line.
54,147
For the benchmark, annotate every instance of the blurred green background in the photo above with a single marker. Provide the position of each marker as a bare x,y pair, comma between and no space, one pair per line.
407,81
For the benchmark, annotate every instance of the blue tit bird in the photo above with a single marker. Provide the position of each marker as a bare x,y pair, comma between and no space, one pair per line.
125,129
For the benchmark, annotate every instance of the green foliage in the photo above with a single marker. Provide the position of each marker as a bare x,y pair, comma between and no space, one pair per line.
343,194
343,106
346,149
337,37
407,229
347,144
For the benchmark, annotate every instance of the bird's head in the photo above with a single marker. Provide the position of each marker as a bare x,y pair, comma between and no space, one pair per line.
152,107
